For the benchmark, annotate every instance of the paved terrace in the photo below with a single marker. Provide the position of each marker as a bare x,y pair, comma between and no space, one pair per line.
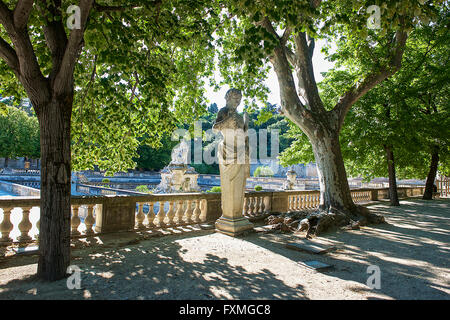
412,251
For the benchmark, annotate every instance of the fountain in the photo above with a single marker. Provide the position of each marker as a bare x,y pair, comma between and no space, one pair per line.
178,176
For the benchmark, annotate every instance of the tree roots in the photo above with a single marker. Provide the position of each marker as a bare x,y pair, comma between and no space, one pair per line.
321,221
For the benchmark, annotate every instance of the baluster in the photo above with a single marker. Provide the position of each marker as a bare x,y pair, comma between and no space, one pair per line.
25,225
257,206
140,217
188,212
245,210
179,213
170,214
75,221
261,206
89,220
197,211
38,227
150,216
251,208
161,215
6,226
267,205
203,208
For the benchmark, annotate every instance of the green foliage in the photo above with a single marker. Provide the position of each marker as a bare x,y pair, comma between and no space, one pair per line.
143,189
214,189
140,74
155,158
263,171
19,134
258,188
106,180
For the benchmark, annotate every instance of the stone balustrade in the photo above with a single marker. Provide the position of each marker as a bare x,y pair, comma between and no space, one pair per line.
93,215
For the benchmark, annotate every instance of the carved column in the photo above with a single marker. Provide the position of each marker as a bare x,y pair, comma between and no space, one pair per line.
6,226
25,225
75,221
89,220
150,216
140,216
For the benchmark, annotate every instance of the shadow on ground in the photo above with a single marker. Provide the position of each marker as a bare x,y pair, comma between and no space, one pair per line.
412,252
161,273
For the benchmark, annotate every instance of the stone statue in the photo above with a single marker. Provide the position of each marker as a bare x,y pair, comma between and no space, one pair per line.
234,165
289,184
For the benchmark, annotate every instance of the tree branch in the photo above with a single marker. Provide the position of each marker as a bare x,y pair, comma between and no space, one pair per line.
22,13
8,54
64,76
6,17
358,90
305,73
287,33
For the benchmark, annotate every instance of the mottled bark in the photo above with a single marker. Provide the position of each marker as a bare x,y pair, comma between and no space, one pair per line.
52,98
393,194
429,185
322,126
54,239
334,188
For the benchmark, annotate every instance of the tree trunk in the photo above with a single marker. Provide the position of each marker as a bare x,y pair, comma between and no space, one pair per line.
429,185
6,162
54,234
393,194
336,207
334,188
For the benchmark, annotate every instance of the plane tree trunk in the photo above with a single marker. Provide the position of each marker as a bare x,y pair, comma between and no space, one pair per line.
52,98
54,239
302,104
431,177
393,194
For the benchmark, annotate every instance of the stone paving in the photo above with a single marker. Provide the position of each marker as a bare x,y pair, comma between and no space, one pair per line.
412,253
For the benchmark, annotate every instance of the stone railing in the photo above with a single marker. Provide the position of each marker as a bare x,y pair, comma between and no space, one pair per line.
93,215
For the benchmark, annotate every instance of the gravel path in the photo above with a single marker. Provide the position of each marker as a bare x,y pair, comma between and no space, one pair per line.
412,252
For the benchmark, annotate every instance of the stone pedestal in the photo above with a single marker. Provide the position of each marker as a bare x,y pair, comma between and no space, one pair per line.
233,226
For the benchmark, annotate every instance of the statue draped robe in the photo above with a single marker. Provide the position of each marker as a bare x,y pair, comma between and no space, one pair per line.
234,164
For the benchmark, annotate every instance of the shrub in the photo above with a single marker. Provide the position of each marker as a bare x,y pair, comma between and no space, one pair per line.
215,189
142,188
258,188
263,171
106,180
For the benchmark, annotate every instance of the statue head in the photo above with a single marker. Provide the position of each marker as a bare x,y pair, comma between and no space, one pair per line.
233,98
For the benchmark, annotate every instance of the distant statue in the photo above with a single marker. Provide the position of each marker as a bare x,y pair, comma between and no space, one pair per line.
291,180
180,154
186,186
234,164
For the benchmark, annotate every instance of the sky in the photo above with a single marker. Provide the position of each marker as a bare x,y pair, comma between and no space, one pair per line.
319,65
